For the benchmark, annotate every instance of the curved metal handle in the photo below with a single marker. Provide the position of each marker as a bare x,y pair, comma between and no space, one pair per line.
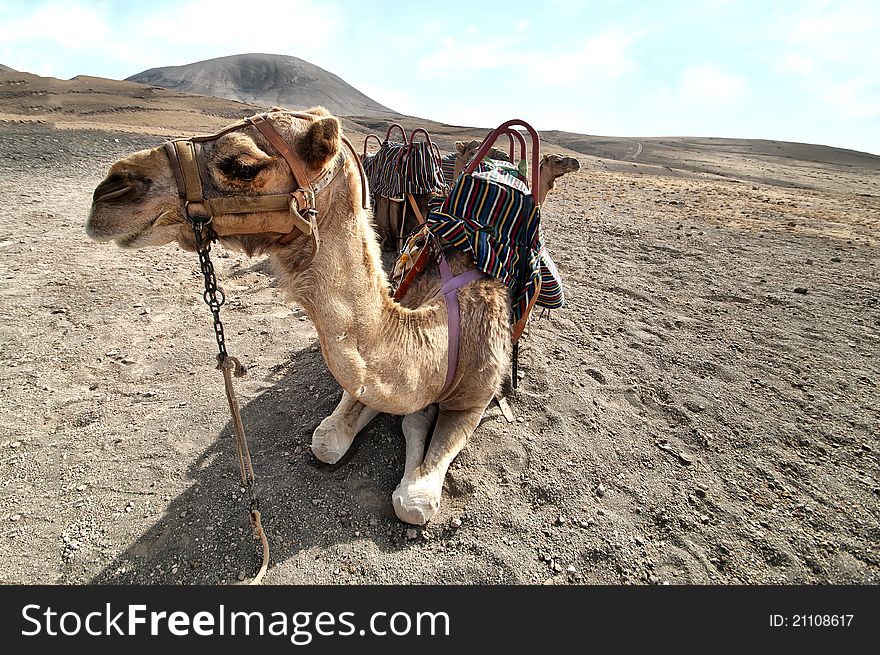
435,151
391,127
522,144
505,128
366,140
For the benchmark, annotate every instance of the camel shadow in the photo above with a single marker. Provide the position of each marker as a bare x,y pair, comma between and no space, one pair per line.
204,535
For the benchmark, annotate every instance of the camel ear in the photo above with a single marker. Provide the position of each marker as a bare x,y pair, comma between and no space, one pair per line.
321,142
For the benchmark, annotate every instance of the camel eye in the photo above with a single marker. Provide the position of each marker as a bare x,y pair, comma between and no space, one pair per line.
239,170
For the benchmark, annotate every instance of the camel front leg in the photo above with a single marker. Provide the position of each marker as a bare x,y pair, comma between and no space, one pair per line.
417,497
416,427
333,437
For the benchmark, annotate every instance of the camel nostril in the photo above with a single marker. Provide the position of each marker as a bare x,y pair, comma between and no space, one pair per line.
119,185
113,187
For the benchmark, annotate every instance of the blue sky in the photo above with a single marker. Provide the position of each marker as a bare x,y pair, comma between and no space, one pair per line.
805,70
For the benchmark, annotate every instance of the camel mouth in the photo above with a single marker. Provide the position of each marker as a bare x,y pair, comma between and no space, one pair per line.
98,230
130,240
164,218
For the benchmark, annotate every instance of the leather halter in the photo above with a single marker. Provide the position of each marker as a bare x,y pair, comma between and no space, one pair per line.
298,206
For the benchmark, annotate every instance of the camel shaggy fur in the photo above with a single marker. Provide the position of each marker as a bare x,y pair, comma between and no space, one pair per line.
387,356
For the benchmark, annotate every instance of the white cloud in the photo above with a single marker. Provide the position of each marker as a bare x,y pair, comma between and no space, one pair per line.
129,41
704,100
833,49
797,64
855,98
830,22
551,83
708,85
300,25
71,26
831,35
603,56
455,59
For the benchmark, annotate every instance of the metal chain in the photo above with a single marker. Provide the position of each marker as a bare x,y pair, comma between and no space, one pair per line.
213,296
215,299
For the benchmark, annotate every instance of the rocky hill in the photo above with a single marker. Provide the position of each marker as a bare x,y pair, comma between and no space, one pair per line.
267,80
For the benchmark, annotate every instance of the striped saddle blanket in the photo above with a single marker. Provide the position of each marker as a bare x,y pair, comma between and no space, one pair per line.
399,168
491,215
448,167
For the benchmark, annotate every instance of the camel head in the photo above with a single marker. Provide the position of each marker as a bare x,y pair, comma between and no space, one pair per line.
553,167
465,151
139,205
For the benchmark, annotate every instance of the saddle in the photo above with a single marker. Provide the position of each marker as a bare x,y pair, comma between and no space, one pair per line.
492,214
400,171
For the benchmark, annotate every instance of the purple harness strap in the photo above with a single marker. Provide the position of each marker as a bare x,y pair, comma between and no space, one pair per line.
449,291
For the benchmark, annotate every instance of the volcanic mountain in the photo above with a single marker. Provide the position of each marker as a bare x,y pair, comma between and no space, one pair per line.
268,80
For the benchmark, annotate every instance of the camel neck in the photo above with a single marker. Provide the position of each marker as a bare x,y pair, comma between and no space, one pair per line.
366,338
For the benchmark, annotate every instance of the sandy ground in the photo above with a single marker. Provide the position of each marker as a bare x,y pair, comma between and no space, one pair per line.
704,410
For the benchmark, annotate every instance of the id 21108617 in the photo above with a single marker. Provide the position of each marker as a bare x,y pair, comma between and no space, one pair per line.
811,620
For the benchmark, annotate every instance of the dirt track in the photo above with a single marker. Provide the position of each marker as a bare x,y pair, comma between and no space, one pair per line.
704,410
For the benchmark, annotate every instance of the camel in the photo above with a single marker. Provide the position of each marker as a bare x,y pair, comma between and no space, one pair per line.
552,166
387,212
395,219
464,152
387,356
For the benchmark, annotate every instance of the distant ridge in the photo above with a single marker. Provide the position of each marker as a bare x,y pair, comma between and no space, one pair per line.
268,80
7,69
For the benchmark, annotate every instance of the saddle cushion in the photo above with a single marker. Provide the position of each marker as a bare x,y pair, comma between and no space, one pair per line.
490,216
397,169
448,165
386,173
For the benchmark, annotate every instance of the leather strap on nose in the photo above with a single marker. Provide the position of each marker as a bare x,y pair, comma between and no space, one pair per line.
300,177
182,155
171,152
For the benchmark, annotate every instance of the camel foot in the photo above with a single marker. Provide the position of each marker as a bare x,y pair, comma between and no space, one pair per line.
328,444
416,501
